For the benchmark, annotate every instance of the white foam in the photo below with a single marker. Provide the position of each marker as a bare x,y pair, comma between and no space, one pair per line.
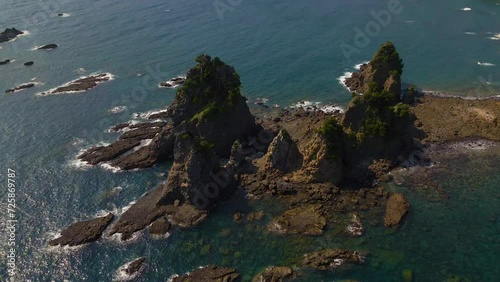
172,83
316,106
147,114
343,77
470,33
494,37
486,64
358,66
117,109
108,75
108,166
410,21
466,9
65,15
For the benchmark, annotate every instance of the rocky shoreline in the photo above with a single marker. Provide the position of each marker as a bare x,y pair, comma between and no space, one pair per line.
316,164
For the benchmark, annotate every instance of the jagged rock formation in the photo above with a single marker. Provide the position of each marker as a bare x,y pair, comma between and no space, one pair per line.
385,69
209,273
9,34
283,153
83,232
210,100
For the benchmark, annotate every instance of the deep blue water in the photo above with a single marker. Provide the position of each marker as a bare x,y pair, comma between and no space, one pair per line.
286,51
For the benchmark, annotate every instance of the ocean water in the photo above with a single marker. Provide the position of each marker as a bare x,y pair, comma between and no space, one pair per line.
285,51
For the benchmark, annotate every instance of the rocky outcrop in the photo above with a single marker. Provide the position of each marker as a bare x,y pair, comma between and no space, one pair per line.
4,62
385,69
306,220
159,227
83,232
331,259
29,63
283,154
20,88
397,208
211,101
9,34
47,47
196,176
274,274
134,266
80,85
208,273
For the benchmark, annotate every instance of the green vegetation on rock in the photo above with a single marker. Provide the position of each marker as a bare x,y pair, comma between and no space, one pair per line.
333,133
387,55
213,85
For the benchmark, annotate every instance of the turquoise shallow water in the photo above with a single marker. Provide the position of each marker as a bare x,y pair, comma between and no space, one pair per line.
286,51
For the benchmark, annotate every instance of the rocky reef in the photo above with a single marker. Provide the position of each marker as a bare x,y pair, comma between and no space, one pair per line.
208,273
9,34
317,165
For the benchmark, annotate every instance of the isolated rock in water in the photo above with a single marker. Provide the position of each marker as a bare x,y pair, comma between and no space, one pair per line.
30,63
82,84
20,87
397,208
83,232
4,62
9,34
385,68
60,14
306,220
330,259
208,274
174,82
274,274
135,266
283,153
48,47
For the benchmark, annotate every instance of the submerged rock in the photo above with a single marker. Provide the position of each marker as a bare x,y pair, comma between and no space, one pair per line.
397,208
83,232
331,259
9,34
306,220
208,273
274,274
48,47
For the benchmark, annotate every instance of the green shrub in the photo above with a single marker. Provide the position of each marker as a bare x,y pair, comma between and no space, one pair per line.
333,134
401,110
